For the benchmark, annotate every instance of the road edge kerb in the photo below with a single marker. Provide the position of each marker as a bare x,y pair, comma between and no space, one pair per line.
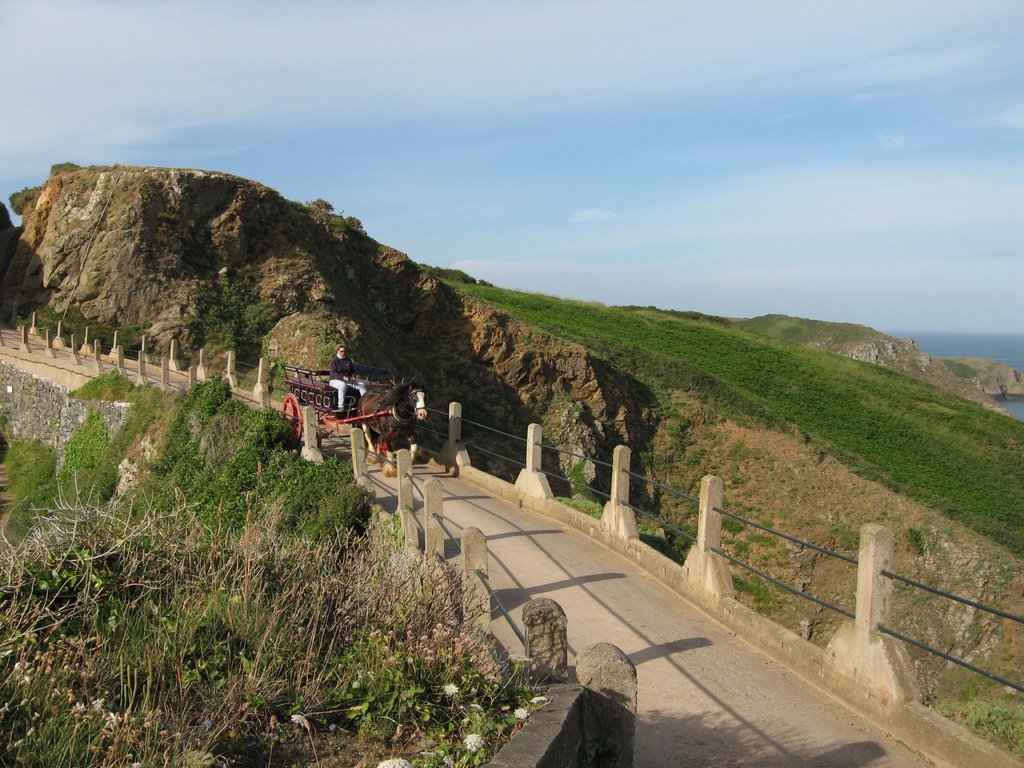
551,738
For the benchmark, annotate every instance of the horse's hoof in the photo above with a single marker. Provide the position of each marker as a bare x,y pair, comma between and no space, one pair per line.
389,470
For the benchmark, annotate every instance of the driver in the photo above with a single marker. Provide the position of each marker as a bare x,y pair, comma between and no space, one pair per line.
342,373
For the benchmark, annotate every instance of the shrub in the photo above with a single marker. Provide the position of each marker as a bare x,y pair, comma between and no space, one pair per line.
23,200
110,386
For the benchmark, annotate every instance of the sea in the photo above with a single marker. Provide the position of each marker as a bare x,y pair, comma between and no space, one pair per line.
1005,347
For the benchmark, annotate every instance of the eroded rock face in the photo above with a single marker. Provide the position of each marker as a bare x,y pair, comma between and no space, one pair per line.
130,246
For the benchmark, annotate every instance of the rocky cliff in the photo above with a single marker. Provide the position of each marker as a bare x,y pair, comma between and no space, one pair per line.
149,246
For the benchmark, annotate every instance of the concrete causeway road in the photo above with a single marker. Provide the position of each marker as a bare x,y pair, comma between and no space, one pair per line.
705,697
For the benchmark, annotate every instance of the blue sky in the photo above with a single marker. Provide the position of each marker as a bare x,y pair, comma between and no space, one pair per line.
855,162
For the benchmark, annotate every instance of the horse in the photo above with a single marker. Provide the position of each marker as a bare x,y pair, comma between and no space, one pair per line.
392,418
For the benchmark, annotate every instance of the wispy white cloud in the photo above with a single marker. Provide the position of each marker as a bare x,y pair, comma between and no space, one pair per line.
892,141
592,214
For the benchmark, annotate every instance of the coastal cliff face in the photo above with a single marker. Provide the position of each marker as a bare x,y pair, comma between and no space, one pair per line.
139,246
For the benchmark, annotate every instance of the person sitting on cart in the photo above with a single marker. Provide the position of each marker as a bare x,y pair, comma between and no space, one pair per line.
342,375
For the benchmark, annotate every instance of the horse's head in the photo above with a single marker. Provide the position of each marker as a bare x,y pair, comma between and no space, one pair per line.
418,399
407,400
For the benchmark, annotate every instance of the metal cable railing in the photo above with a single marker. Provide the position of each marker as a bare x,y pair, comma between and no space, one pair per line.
494,597
786,536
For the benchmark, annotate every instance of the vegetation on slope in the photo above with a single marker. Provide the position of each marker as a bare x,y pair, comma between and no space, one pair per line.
227,611
948,453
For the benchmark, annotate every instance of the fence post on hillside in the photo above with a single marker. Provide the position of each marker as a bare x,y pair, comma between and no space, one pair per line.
172,357
58,340
143,350
201,373
703,568
143,374
165,375
261,392
34,329
310,448
74,350
86,347
96,353
476,600
879,663
453,452
357,440
48,349
23,332
609,708
433,517
403,462
532,483
229,370
617,516
116,346
547,643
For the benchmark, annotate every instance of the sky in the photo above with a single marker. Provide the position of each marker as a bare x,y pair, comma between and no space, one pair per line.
852,162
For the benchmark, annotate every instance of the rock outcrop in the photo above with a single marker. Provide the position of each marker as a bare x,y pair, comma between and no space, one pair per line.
141,246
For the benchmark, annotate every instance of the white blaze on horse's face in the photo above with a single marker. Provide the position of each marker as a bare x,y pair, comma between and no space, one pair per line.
421,405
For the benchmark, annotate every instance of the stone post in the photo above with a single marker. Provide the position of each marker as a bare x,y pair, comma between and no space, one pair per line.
172,357
115,348
532,484
86,347
261,392
201,373
547,644
143,351
58,340
23,332
357,440
476,598
453,452
617,516
704,569
878,663
403,460
165,374
74,350
193,379
34,330
97,354
433,516
609,709
229,370
310,448
48,349
143,377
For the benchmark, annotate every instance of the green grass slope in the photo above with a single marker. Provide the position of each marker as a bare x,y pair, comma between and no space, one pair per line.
946,452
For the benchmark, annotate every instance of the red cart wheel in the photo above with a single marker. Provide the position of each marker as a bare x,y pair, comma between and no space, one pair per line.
291,410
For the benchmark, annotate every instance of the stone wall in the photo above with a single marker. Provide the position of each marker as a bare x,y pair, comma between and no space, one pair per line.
38,409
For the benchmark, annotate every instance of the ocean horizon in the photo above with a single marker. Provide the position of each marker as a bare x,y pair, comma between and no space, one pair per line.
1007,348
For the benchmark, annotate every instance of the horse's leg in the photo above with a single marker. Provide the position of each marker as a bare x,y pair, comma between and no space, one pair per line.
412,451
371,447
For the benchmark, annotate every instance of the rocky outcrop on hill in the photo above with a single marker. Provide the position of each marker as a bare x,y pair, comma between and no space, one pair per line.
8,238
143,246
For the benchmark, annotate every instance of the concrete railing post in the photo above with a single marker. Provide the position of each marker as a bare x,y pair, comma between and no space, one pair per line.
609,709
143,350
193,379
261,392
74,350
58,339
358,442
172,357
115,348
453,452
704,568
476,598
165,375
143,374
48,349
879,663
34,330
229,370
201,373
547,643
23,332
310,448
617,516
86,346
532,483
433,516
97,353
403,460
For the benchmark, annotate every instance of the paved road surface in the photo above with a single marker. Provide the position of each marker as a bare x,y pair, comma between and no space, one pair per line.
705,698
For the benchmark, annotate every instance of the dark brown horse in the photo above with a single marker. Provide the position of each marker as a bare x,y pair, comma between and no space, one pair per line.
393,425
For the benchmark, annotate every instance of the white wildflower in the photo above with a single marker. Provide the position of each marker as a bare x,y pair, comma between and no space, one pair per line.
451,690
397,762
521,713
539,700
474,742
300,720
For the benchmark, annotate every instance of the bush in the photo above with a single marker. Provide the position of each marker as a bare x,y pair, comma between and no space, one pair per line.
110,386
25,199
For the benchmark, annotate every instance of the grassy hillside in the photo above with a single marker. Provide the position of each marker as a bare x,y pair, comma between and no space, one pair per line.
948,453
